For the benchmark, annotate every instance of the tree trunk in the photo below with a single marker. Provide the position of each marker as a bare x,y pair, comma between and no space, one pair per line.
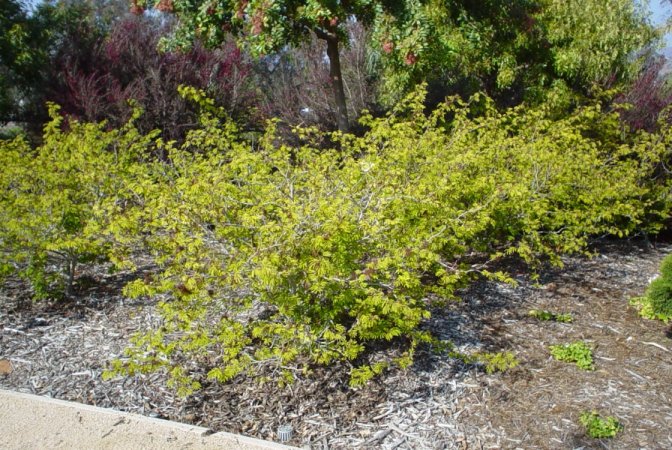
71,265
337,83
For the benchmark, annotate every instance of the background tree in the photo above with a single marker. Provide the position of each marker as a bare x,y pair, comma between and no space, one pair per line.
295,85
647,96
266,26
514,50
126,65
92,57
33,48
22,58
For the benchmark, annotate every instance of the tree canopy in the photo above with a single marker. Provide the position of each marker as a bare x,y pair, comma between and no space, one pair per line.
267,26
22,56
517,49
30,45
514,50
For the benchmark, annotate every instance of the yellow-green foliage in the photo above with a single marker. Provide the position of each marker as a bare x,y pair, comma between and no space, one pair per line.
495,362
291,256
283,257
51,199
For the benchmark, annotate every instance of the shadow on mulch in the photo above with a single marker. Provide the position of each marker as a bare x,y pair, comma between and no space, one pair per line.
95,289
538,404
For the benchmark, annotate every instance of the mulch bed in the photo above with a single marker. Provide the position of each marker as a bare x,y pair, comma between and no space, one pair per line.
60,350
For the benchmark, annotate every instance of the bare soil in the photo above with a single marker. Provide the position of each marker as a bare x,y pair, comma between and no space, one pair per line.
60,350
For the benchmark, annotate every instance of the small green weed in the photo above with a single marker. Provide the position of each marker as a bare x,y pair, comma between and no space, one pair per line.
549,316
496,362
599,428
576,352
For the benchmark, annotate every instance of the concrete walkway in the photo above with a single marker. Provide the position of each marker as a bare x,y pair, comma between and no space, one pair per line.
32,422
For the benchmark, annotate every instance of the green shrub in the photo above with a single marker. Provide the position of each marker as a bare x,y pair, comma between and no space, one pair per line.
277,258
544,315
666,267
576,352
659,295
599,428
645,309
52,200
657,301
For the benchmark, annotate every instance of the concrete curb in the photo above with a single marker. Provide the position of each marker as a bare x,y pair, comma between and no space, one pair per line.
33,422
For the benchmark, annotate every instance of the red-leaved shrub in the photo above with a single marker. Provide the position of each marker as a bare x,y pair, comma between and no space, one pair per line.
648,96
127,65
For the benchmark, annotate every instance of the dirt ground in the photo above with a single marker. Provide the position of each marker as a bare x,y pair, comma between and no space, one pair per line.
61,351
538,404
